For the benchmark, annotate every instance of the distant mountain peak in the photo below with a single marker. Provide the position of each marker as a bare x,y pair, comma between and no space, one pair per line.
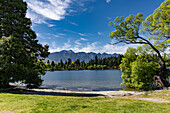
65,54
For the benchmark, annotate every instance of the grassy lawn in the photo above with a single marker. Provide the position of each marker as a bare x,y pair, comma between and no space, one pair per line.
46,104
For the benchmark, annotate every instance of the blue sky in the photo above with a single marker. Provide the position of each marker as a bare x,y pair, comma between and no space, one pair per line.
82,25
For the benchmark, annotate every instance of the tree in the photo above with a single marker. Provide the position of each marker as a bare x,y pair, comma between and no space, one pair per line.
61,63
48,61
19,49
82,64
125,66
137,70
69,61
52,64
142,73
96,60
77,63
157,25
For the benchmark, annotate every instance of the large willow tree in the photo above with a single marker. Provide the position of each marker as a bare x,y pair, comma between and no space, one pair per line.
157,27
19,49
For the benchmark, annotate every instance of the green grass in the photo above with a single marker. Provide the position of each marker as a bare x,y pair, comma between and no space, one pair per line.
50,104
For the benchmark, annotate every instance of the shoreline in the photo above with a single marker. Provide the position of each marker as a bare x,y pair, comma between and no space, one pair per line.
56,92
81,70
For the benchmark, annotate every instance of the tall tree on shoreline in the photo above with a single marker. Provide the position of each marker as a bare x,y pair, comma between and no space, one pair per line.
19,49
157,26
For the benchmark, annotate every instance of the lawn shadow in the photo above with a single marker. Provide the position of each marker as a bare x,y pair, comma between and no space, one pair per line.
16,90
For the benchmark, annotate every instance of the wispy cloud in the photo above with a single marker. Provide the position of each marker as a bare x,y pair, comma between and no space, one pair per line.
73,23
108,1
51,25
35,18
54,48
100,33
52,9
83,39
77,42
49,35
61,34
41,10
81,34
91,47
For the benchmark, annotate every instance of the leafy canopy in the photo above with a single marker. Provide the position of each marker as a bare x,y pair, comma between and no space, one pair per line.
154,34
19,49
137,70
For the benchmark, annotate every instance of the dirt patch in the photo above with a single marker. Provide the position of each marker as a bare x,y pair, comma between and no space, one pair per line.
157,100
7,111
81,93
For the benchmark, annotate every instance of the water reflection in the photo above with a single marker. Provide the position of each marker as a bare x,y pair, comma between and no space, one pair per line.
85,80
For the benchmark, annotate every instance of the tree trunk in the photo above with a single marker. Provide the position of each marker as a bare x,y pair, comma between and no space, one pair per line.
160,78
163,72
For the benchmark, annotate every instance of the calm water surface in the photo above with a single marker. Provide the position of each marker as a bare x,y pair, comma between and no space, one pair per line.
85,80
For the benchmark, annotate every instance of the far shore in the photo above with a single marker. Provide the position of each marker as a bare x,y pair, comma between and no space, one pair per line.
83,69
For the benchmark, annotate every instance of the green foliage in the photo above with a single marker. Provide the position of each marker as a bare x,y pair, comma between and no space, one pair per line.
126,28
137,71
156,28
52,64
142,73
158,22
96,60
125,66
19,49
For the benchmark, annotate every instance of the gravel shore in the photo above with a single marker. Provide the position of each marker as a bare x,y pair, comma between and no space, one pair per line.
56,92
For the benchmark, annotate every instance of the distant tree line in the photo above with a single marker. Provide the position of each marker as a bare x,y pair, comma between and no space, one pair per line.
94,64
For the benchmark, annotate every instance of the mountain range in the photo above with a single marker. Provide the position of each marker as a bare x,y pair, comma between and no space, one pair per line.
65,54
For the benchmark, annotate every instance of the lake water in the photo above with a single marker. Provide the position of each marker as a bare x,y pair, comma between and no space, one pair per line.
83,80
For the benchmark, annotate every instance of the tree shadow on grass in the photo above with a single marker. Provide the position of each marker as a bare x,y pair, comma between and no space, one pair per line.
15,90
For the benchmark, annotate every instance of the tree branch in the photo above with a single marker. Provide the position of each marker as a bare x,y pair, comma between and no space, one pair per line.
159,54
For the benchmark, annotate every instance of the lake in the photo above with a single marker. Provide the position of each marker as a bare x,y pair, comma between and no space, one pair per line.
83,80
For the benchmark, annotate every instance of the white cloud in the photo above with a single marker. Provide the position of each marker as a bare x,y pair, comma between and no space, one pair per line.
108,48
81,34
77,42
39,10
54,47
73,23
100,33
51,25
52,9
83,39
91,47
37,34
35,18
49,35
61,34
57,36
72,11
108,1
